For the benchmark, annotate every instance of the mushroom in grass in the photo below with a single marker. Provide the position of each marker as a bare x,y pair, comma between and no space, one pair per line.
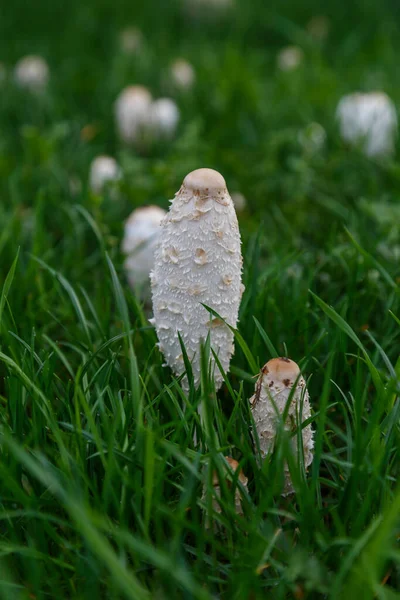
280,382
198,261
104,170
182,74
141,232
164,118
370,120
132,114
239,202
290,58
32,72
233,474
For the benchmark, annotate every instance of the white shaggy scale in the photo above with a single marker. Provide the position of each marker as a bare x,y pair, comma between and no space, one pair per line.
273,389
198,260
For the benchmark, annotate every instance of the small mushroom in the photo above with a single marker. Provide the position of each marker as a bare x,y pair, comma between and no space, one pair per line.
32,72
182,74
239,202
191,256
232,474
132,114
104,170
164,118
290,58
141,232
279,380
369,120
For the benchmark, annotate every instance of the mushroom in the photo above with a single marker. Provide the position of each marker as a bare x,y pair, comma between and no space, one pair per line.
103,171
198,261
370,120
279,380
132,114
164,118
182,74
232,473
290,58
32,73
141,232
239,202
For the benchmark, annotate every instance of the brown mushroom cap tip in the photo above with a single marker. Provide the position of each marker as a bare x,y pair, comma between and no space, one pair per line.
205,180
282,369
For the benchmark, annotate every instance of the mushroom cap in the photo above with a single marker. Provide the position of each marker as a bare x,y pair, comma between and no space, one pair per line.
234,465
205,180
103,169
281,369
141,225
182,73
137,92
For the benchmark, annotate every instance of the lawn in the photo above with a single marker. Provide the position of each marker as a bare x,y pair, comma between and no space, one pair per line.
104,479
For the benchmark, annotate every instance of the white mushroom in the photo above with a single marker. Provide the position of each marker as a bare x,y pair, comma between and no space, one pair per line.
231,475
131,40
198,261
132,114
141,232
164,118
104,170
182,74
279,380
239,201
370,120
32,72
290,58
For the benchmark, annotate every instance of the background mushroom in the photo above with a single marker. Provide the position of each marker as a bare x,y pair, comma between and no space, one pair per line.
182,74
163,118
370,120
198,261
279,380
141,232
103,170
132,114
32,72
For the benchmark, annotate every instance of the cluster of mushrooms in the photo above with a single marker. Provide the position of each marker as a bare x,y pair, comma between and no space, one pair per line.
197,262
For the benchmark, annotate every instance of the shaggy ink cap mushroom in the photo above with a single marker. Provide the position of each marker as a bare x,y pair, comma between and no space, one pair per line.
198,263
283,370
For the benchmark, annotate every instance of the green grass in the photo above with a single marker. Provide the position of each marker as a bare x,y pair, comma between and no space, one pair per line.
101,482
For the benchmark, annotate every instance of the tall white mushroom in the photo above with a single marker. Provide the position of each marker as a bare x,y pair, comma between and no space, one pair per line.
290,58
370,120
141,232
32,72
163,118
104,170
231,472
198,261
132,114
182,74
279,380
